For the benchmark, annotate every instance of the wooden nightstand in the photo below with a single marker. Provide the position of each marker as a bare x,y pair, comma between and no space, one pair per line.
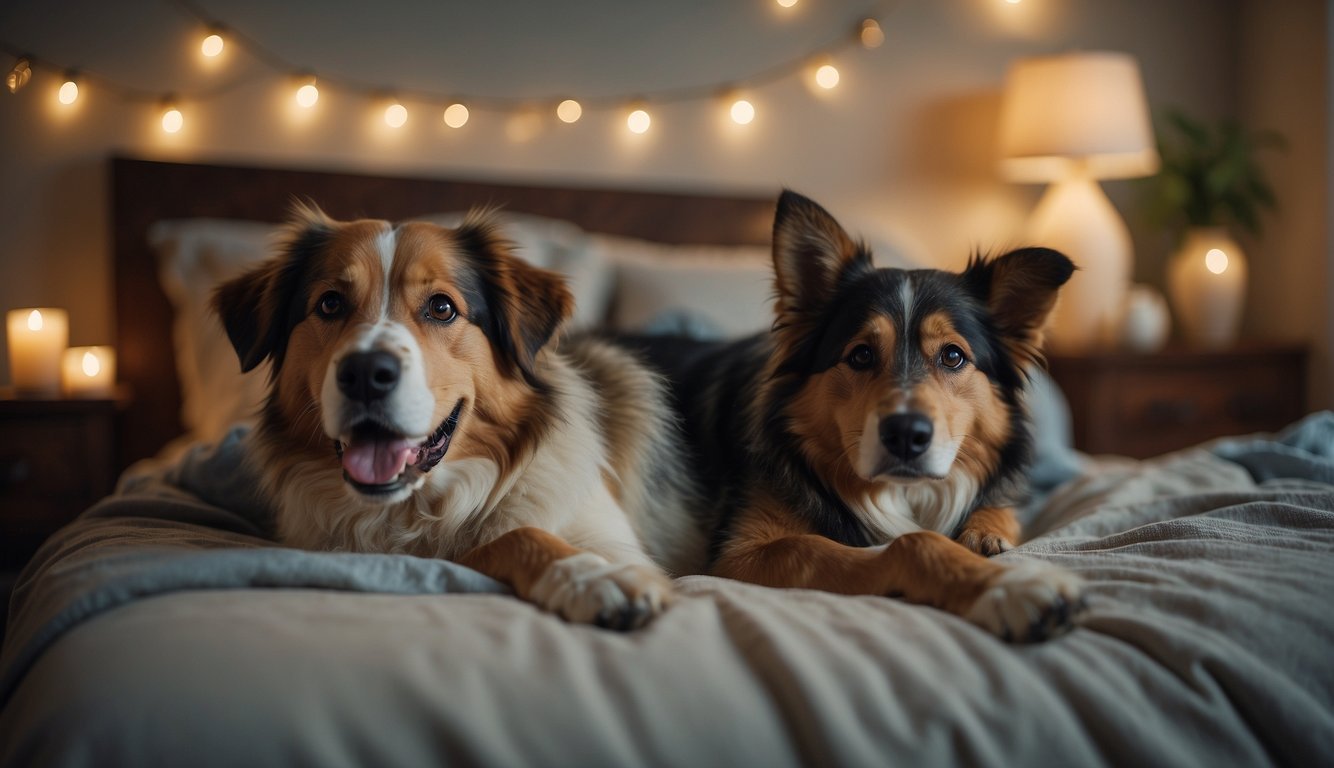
57,457
1143,405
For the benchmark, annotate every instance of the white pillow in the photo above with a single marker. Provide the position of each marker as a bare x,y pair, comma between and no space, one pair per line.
704,290
194,256
725,288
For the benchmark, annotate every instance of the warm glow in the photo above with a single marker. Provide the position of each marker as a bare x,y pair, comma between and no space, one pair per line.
212,45
456,116
18,76
1012,2
172,120
871,34
395,115
638,121
569,111
88,372
69,92
826,76
91,367
1215,261
35,321
742,112
307,95
786,3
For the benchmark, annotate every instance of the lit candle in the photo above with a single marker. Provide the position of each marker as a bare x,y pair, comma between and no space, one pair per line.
37,337
90,371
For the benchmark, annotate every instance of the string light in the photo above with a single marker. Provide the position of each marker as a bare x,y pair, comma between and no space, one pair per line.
19,75
172,119
742,112
569,111
638,121
871,34
69,91
868,32
826,76
307,94
456,116
212,45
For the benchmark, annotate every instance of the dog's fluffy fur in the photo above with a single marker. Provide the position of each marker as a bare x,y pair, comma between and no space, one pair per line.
418,404
881,415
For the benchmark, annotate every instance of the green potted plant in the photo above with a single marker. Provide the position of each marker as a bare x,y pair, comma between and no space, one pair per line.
1210,182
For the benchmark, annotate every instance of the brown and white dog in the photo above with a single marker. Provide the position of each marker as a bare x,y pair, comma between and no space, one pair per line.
874,441
418,405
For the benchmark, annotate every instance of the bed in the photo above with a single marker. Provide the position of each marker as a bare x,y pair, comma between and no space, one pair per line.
166,627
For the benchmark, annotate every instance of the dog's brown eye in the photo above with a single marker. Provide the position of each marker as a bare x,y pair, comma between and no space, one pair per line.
441,307
861,358
952,357
330,306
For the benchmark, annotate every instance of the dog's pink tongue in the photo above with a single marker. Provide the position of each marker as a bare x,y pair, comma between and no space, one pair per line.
376,462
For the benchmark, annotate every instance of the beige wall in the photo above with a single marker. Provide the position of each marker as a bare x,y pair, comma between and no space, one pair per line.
1283,85
902,151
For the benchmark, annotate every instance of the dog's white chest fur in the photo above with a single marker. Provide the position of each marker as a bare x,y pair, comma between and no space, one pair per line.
931,505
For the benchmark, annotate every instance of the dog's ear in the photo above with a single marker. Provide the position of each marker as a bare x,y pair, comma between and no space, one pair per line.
258,308
812,256
1020,289
522,306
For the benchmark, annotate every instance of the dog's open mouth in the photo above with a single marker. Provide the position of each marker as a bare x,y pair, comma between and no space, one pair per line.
376,460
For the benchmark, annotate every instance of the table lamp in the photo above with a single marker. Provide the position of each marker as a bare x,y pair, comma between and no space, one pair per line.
1071,120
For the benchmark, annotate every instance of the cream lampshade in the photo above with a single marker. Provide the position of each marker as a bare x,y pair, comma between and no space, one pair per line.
1071,120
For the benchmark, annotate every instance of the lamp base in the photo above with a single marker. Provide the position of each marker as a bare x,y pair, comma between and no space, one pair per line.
1076,218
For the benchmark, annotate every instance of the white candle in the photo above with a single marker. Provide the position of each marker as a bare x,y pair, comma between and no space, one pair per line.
37,338
90,371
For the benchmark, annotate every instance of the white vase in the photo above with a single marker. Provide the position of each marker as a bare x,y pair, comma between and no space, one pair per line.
1145,322
1206,280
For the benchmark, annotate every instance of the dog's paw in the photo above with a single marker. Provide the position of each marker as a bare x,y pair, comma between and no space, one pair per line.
1029,601
587,589
984,544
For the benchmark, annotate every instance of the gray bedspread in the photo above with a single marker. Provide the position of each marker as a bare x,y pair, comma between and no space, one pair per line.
161,629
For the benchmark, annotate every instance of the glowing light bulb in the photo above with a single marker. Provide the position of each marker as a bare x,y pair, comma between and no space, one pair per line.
172,119
19,75
307,95
638,121
35,320
742,112
786,3
395,115
212,45
91,365
456,116
871,34
569,111
69,91
1215,261
826,76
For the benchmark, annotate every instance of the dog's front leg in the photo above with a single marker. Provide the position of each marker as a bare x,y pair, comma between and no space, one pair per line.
990,531
1019,601
578,585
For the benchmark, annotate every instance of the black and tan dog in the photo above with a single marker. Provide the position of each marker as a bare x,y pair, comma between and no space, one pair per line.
418,404
872,442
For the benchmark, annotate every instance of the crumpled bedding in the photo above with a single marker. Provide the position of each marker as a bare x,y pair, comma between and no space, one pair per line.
163,627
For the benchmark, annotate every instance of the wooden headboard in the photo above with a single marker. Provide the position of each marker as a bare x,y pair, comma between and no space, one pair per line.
143,192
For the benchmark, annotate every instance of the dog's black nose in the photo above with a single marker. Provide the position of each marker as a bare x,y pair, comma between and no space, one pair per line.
906,435
368,376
